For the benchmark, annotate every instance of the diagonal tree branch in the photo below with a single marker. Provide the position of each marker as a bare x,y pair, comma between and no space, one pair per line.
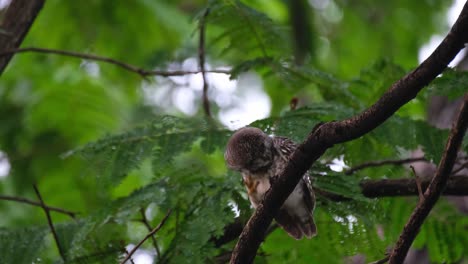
31,202
121,64
433,192
49,221
150,234
18,19
145,222
326,135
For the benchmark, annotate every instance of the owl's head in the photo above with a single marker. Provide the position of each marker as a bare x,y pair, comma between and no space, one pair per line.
249,149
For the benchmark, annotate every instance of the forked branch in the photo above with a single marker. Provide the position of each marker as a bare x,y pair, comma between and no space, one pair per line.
129,67
31,202
150,234
433,192
51,224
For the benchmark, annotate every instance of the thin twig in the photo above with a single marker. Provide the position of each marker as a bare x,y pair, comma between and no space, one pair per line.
418,184
31,202
462,166
131,260
123,65
156,229
201,61
435,188
49,221
382,261
381,163
144,220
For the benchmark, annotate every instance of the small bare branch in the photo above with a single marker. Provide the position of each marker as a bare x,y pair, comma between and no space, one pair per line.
201,61
49,221
382,261
31,202
418,184
144,220
131,260
156,229
123,65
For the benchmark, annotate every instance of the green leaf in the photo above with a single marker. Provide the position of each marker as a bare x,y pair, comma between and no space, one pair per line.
162,140
261,36
21,245
452,84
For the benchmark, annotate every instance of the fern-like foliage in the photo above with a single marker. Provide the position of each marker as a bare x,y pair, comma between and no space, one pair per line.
451,84
21,245
162,140
247,31
263,45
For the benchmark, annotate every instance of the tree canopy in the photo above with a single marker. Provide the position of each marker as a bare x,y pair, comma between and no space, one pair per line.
114,117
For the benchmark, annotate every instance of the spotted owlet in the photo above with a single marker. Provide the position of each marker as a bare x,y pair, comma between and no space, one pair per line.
260,158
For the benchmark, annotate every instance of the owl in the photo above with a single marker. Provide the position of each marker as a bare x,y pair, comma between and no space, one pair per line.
260,159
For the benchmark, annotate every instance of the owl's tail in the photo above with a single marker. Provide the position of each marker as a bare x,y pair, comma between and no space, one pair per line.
296,227
309,229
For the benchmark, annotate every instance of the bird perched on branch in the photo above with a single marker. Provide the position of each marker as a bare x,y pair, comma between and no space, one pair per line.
260,159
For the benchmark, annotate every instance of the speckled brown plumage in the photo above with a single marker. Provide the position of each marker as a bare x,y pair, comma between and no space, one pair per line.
260,159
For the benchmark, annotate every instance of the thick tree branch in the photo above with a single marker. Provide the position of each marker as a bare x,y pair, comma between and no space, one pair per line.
150,234
51,224
201,62
31,202
457,186
438,184
123,65
18,19
329,134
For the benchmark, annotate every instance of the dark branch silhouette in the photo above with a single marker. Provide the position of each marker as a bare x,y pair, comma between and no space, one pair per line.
50,223
18,18
31,202
462,167
201,62
123,65
326,135
433,192
145,222
150,234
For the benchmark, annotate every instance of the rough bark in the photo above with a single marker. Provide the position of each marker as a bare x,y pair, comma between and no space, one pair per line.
19,17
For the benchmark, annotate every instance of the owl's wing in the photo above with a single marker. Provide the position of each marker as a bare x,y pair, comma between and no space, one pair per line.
298,221
286,148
